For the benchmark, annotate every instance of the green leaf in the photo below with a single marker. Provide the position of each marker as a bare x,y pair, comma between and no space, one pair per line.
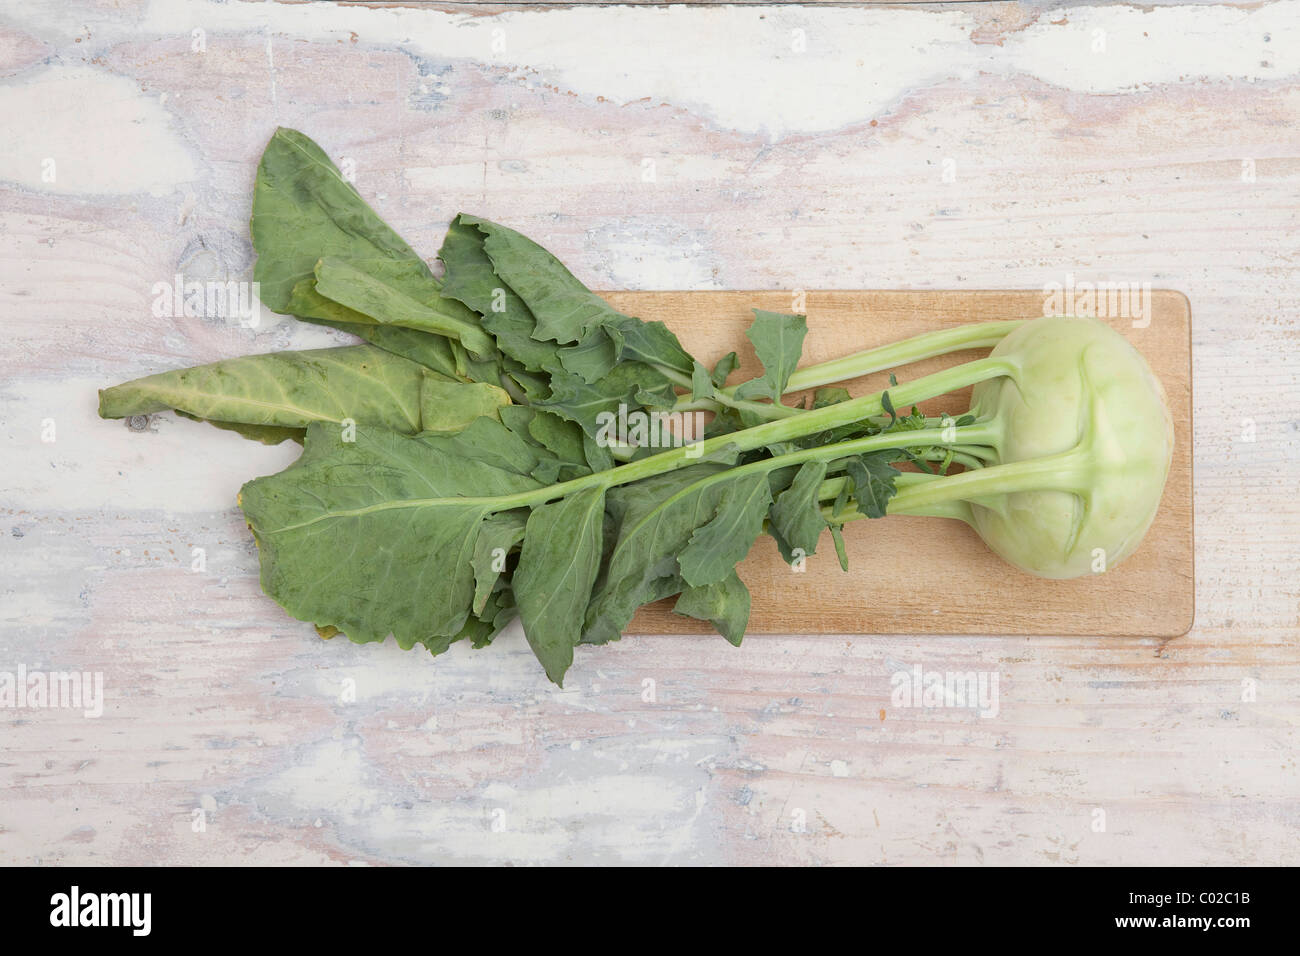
778,341
303,210
431,351
532,386
796,513
497,537
655,590
447,407
503,601
830,396
837,535
701,384
725,366
528,301
377,535
471,279
557,567
517,418
649,342
717,546
306,302
481,627
599,457
724,604
387,304
368,385
653,389
651,522
630,384
592,358
266,434
565,310
489,441
873,481
888,406
564,440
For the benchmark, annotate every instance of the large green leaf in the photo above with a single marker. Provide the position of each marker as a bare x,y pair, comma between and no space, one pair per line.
592,358
430,350
472,280
655,589
563,439
304,210
603,361
649,342
447,407
565,310
718,545
489,441
652,521
631,386
287,390
557,567
796,514
387,303
377,535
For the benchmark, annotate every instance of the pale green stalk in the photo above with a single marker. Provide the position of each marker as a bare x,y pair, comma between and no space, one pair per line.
806,423
927,345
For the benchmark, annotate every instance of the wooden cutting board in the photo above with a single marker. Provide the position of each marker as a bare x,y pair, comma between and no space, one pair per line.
932,576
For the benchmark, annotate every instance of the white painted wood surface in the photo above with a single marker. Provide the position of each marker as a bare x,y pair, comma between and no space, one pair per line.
792,148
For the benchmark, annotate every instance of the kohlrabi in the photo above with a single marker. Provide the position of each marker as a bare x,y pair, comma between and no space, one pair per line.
1065,453
1074,443
429,507
1066,447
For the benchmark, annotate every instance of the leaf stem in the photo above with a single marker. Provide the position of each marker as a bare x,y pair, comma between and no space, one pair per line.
1062,472
927,345
805,423
976,335
810,422
722,399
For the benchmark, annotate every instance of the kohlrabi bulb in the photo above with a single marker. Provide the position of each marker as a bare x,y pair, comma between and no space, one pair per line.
1083,393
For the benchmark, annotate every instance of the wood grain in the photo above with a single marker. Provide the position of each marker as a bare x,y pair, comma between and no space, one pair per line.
970,590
